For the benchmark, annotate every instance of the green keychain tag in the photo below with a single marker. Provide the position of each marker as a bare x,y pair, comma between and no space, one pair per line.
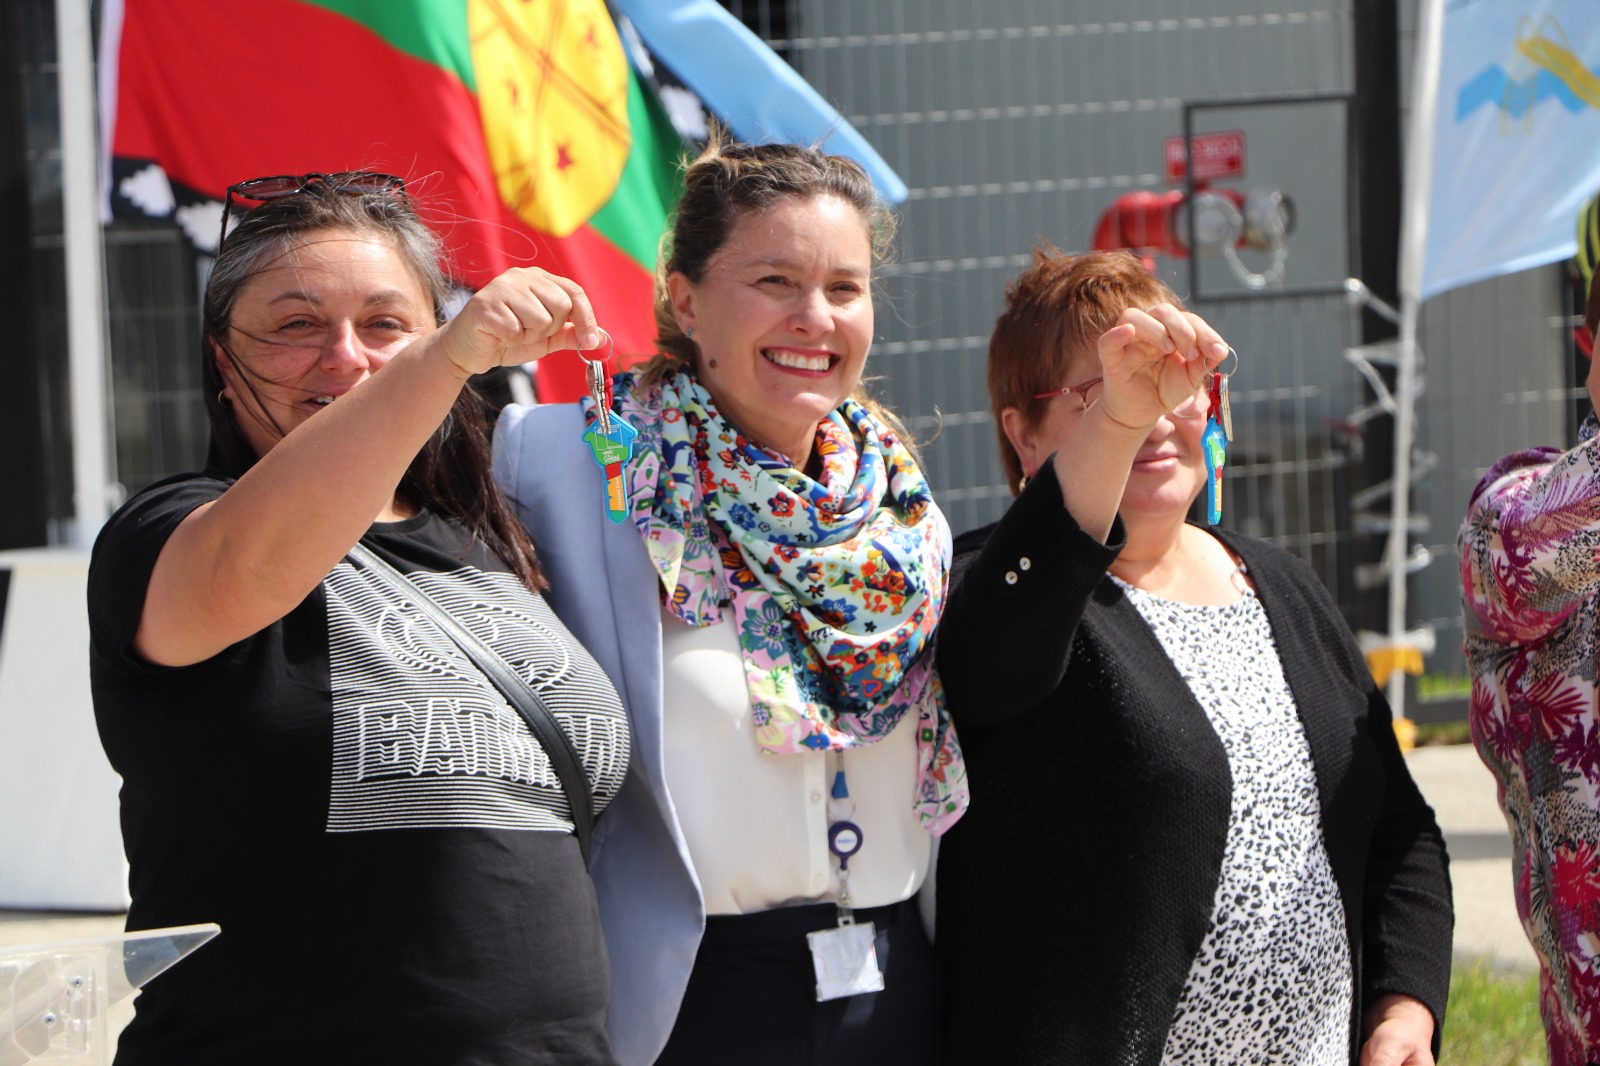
610,451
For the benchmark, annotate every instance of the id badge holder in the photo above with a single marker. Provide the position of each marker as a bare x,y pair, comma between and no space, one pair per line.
845,958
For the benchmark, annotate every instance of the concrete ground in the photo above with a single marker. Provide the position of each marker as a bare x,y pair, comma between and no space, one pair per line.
1458,786
1462,793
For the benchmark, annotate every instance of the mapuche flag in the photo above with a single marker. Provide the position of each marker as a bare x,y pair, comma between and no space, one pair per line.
523,134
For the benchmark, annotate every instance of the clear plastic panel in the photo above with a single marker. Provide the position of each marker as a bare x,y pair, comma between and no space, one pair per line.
54,997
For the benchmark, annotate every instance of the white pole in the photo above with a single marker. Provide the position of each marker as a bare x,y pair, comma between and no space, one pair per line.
1397,552
80,202
1413,248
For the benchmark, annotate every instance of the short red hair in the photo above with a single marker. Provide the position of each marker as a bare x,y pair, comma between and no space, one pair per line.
1055,312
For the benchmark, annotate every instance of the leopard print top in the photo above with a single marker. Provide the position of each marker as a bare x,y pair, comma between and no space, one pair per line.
1272,981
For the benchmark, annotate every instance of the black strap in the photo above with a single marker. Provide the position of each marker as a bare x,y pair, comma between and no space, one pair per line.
546,730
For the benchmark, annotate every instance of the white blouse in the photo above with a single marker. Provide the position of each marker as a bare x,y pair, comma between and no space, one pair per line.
757,823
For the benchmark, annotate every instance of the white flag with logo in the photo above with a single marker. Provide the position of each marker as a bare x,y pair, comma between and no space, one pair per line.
1516,137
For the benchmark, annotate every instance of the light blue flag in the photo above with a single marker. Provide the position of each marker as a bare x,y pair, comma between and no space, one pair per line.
1516,137
758,96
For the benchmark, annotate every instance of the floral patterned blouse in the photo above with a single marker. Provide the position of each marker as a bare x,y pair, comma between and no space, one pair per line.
1530,574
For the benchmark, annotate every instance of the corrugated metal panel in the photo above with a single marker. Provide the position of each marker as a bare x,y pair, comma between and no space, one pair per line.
1016,121
1500,377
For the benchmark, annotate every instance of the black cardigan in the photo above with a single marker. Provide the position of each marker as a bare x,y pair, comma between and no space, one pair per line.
1076,891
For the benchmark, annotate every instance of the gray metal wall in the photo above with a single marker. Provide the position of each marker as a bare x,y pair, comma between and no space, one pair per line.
1500,377
1017,119
1013,121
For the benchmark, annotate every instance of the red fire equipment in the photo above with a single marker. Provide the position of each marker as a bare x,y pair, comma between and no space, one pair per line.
1156,223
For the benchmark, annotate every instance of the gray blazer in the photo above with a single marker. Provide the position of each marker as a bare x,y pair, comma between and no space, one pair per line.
604,588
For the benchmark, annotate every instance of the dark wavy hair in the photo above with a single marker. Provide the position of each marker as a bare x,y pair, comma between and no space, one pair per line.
451,475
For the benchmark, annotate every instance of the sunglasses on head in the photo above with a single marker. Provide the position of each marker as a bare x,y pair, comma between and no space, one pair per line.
353,182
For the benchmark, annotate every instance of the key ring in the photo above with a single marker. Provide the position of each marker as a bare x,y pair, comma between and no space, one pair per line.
609,437
1228,373
599,381
611,349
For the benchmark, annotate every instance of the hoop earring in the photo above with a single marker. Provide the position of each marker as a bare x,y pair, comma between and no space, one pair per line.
1022,482
222,398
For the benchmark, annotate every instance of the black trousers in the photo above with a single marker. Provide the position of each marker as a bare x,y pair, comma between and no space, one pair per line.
752,998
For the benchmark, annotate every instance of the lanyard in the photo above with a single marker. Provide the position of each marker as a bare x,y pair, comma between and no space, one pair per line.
844,836
846,956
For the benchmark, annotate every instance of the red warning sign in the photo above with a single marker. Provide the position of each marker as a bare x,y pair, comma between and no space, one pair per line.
1216,155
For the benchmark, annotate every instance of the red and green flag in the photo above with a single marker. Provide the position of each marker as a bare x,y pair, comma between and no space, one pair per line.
523,133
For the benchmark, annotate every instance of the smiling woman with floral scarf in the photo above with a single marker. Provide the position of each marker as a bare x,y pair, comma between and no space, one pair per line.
765,600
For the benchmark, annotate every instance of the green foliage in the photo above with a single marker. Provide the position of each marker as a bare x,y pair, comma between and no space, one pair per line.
1493,1017
1443,733
1432,687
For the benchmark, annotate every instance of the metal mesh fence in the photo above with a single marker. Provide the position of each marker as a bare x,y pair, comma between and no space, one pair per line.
1501,375
1013,122
33,24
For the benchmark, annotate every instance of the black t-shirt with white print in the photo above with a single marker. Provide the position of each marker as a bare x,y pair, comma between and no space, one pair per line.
385,845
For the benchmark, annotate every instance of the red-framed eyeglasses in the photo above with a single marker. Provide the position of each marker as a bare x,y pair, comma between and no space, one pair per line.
1196,406
1081,390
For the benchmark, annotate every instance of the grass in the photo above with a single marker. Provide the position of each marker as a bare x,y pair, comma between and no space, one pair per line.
1493,1018
1429,733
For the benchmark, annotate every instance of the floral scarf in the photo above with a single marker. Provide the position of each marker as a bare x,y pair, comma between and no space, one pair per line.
836,585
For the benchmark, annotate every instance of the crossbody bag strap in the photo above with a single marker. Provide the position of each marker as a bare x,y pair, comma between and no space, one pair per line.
521,695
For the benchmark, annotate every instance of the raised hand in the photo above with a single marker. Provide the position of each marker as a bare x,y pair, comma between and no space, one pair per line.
1154,360
522,315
